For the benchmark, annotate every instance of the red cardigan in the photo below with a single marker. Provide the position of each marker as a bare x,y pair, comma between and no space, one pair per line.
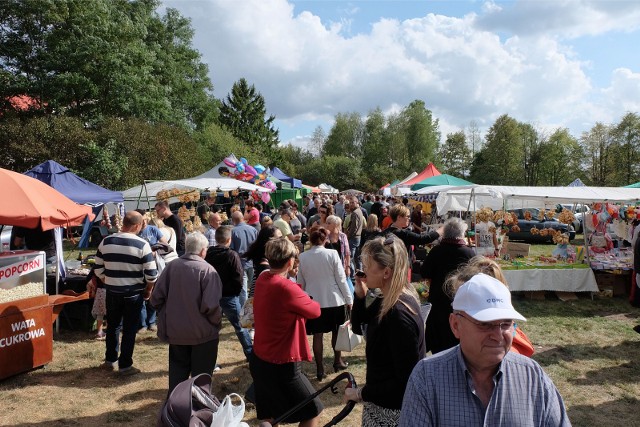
280,309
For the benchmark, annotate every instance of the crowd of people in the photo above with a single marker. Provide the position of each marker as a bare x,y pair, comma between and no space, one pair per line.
306,269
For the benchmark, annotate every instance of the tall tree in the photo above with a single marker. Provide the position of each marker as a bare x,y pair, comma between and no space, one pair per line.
101,58
531,155
500,160
455,155
316,144
560,159
626,149
422,132
473,137
244,113
597,143
345,136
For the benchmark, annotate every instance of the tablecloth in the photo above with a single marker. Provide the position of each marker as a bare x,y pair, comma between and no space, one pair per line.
564,280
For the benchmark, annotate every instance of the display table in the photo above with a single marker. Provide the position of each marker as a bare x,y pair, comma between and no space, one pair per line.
549,279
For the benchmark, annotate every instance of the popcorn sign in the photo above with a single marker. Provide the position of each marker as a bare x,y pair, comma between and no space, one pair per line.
20,268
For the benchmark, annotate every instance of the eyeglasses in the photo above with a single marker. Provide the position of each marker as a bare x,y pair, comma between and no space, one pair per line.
488,327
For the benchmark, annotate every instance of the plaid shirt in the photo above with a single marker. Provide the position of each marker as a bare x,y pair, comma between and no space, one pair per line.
440,392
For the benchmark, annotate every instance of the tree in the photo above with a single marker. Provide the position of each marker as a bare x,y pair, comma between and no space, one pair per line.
560,159
375,150
531,155
626,149
597,143
316,144
104,58
455,155
345,136
473,137
500,160
422,132
243,113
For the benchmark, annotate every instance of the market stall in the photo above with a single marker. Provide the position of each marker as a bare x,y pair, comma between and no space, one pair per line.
26,311
604,256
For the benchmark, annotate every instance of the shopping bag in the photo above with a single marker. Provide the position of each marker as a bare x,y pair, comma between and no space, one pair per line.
347,340
246,314
228,414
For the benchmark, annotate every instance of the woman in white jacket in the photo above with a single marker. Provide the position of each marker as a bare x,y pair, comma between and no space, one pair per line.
321,275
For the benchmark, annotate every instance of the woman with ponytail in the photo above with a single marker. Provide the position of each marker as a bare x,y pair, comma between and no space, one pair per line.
386,308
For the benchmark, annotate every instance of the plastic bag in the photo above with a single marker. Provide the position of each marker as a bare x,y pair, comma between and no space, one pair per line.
246,314
347,340
228,414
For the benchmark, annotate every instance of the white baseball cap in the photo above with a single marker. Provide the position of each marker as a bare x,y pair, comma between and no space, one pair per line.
485,299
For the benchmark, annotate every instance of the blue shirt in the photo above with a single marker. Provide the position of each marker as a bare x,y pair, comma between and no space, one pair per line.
242,236
440,392
151,234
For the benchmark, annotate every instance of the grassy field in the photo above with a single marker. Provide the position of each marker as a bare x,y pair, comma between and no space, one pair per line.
587,346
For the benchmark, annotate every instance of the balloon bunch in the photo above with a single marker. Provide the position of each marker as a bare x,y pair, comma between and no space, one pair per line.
243,171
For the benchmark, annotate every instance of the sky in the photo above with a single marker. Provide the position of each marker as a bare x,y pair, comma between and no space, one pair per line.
551,63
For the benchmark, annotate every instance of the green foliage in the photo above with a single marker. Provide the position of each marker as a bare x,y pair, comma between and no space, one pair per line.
455,155
243,113
345,137
101,58
422,132
560,159
501,160
597,143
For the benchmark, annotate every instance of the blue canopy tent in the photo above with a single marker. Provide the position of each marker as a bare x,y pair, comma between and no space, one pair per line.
77,189
295,183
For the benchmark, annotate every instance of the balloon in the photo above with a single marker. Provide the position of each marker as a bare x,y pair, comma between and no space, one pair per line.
270,185
250,169
240,167
243,161
259,169
227,161
266,197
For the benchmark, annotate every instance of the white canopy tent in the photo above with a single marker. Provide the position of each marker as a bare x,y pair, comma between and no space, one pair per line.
144,196
328,189
474,197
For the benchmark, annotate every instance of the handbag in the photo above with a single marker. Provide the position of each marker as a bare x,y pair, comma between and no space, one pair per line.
246,314
347,340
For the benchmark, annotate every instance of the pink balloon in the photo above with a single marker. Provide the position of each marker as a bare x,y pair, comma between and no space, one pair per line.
227,161
266,197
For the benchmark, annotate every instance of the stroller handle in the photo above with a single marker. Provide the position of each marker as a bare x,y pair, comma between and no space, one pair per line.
331,384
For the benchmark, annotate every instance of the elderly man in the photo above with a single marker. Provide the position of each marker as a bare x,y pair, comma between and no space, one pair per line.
171,220
243,236
187,298
125,263
480,382
354,233
215,221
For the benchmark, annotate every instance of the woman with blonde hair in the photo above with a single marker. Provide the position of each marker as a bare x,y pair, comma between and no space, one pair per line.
394,329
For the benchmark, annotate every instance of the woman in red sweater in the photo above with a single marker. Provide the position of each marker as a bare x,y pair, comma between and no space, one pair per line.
280,310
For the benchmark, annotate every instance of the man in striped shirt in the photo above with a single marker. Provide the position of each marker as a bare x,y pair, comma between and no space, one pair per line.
125,263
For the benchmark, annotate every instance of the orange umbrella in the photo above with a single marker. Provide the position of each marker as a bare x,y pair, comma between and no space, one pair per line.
29,203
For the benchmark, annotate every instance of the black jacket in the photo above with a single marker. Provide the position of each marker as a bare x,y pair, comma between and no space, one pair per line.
227,263
409,238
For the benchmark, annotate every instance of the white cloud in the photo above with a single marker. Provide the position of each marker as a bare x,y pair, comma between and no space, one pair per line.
569,18
308,70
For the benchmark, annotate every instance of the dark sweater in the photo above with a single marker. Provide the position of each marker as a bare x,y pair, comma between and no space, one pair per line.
440,262
394,346
409,238
227,263
176,223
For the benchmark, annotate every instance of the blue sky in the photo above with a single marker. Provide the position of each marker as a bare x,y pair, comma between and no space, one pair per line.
551,63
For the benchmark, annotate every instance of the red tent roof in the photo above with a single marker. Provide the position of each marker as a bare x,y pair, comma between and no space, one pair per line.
428,172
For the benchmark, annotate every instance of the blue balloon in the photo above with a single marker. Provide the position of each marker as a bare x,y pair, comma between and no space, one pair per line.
243,161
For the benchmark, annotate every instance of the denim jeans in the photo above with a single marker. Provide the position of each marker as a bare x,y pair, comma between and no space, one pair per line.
354,242
125,310
147,315
231,308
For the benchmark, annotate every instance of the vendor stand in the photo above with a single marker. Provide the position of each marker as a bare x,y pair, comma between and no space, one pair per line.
26,311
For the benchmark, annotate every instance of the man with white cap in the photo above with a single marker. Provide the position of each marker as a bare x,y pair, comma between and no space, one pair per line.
480,382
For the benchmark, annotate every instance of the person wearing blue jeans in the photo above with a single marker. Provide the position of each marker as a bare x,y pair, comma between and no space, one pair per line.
354,233
242,237
227,263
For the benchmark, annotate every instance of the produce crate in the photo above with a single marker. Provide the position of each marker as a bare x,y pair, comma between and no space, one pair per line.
619,284
518,249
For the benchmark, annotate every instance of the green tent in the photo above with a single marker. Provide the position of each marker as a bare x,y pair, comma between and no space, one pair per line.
442,179
636,185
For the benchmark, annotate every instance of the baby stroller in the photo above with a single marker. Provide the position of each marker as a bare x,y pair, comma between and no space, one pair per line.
191,403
